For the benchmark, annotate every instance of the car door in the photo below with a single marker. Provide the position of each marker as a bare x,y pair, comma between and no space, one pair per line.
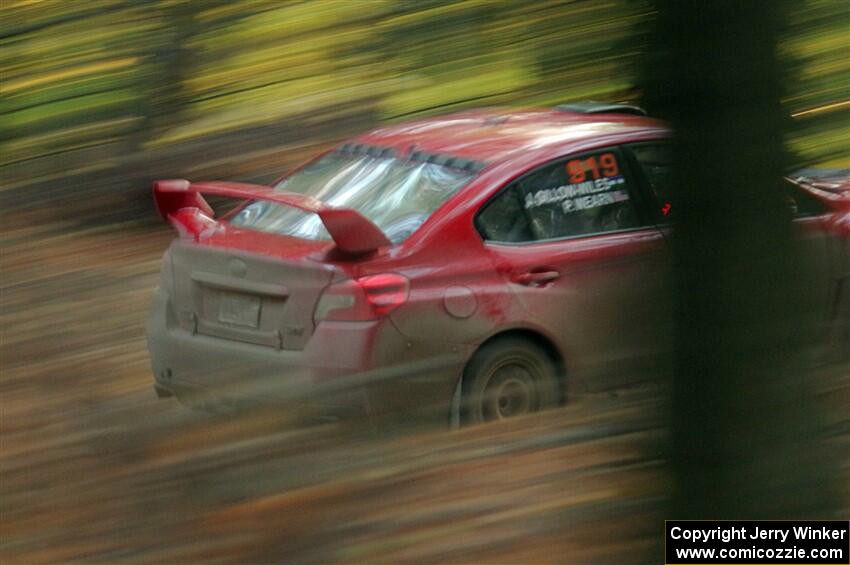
581,254
816,247
813,242
651,162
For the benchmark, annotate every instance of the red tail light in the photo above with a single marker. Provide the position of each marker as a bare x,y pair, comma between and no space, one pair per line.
366,298
385,292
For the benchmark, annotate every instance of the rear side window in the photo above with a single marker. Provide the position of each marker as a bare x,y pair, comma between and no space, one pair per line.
581,195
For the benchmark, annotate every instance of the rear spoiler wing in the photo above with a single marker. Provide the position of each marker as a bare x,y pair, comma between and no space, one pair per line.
181,203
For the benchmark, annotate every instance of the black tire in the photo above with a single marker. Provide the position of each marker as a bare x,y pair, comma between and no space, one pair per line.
506,378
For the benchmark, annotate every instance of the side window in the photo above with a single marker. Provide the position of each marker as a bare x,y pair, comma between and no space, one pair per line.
802,204
503,219
655,160
581,195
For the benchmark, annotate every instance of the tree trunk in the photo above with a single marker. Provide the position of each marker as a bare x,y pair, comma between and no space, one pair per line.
744,435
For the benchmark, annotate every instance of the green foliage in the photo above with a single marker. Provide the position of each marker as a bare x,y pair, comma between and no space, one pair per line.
171,71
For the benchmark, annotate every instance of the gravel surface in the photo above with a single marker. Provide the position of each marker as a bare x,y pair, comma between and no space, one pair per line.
96,468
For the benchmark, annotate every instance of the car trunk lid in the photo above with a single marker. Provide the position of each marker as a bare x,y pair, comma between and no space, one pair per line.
228,293
247,285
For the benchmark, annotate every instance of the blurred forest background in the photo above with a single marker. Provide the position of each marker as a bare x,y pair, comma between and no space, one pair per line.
101,96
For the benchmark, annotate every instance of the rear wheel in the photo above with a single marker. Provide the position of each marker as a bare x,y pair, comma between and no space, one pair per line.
508,378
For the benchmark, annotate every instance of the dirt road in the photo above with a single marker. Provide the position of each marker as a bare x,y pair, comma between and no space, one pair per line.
95,468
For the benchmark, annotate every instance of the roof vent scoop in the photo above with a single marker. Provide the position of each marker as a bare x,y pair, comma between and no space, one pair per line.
592,107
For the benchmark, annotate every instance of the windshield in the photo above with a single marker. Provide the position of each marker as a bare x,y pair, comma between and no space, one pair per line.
396,195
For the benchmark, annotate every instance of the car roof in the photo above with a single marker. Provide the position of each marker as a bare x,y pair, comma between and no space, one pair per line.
493,135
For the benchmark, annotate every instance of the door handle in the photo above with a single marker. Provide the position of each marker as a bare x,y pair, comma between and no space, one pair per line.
536,278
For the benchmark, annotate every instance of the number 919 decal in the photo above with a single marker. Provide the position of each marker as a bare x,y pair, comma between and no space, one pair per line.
605,165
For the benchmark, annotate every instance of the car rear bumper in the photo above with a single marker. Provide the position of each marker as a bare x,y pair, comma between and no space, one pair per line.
347,367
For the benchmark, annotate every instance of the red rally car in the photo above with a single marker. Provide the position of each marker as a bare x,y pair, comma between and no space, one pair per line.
476,266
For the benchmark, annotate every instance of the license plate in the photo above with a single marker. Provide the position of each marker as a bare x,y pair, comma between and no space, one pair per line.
240,310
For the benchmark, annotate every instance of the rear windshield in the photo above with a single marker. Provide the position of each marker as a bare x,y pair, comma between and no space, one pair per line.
397,195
